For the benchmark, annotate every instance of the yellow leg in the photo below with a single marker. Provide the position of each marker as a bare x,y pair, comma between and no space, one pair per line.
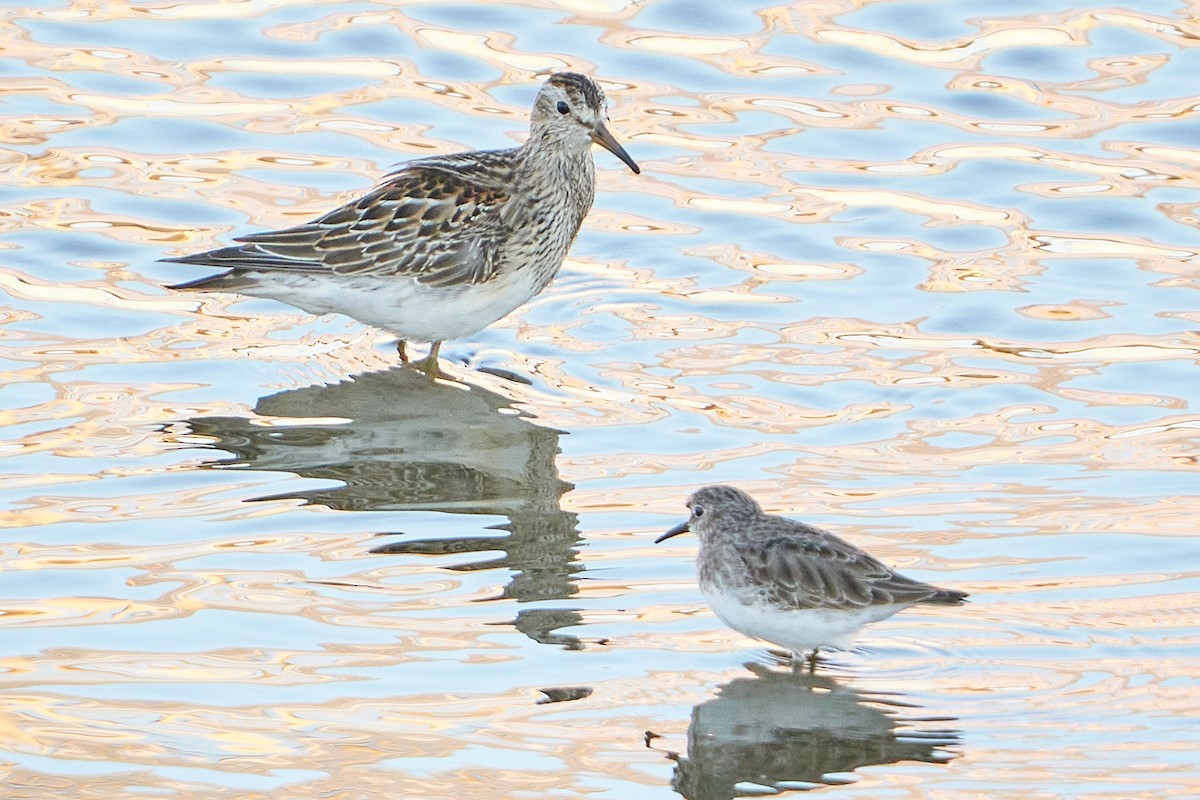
429,364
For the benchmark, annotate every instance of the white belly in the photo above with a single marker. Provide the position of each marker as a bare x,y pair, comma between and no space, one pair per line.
799,631
401,305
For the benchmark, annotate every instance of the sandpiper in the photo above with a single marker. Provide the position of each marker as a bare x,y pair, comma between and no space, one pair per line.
443,246
792,584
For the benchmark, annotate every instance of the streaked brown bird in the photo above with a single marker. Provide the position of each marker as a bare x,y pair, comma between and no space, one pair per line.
443,246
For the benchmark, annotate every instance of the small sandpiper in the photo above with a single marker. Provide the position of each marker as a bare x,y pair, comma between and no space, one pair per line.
443,246
792,584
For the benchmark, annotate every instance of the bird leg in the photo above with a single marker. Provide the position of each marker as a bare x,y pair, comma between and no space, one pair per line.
400,348
811,659
429,364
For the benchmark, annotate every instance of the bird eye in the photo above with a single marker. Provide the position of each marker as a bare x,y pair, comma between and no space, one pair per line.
697,511
563,108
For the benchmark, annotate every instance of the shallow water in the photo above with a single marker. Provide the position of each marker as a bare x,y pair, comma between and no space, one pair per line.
249,556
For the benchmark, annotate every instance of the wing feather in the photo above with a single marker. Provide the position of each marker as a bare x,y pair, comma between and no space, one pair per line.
819,570
430,220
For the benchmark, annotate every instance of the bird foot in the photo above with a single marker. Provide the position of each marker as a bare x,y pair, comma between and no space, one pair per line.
429,364
799,661
429,367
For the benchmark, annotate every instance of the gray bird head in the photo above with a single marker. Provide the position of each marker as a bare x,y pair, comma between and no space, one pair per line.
570,108
714,507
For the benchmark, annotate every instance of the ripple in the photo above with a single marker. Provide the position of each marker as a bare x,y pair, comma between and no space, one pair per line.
248,556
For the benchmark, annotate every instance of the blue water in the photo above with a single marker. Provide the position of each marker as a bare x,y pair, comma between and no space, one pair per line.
935,295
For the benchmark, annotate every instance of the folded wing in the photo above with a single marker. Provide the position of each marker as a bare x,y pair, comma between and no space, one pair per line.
435,225
822,571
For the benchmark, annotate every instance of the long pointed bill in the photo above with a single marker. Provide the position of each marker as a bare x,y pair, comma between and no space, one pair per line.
678,529
602,137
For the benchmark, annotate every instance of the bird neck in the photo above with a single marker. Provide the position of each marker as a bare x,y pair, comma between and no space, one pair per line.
549,149
558,165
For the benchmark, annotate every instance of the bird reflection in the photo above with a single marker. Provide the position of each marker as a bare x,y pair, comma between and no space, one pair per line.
793,731
395,441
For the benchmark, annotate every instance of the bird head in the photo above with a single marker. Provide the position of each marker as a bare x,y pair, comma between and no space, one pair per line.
712,508
571,107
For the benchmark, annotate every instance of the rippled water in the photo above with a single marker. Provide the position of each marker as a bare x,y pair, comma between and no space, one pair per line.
924,273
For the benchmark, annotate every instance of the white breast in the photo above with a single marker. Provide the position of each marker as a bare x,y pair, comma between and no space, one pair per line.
800,631
402,305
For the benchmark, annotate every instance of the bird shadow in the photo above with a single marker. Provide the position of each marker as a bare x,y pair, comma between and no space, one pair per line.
780,731
395,441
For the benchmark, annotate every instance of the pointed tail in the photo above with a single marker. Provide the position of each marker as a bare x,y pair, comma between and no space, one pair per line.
947,597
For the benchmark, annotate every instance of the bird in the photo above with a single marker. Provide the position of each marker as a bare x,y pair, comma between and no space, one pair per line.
442,246
789,583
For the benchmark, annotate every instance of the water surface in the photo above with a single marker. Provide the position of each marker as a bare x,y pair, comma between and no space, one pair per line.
923,273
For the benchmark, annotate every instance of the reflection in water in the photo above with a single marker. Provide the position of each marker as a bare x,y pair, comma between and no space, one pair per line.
823,255
783,730
395,441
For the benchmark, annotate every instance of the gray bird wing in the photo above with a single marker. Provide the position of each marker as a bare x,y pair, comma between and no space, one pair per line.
429,221
819,570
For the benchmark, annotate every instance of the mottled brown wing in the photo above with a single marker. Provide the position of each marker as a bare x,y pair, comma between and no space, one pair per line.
425,221
821,571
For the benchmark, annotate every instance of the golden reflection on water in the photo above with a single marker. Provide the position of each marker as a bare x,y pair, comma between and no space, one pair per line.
750,734
234,570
